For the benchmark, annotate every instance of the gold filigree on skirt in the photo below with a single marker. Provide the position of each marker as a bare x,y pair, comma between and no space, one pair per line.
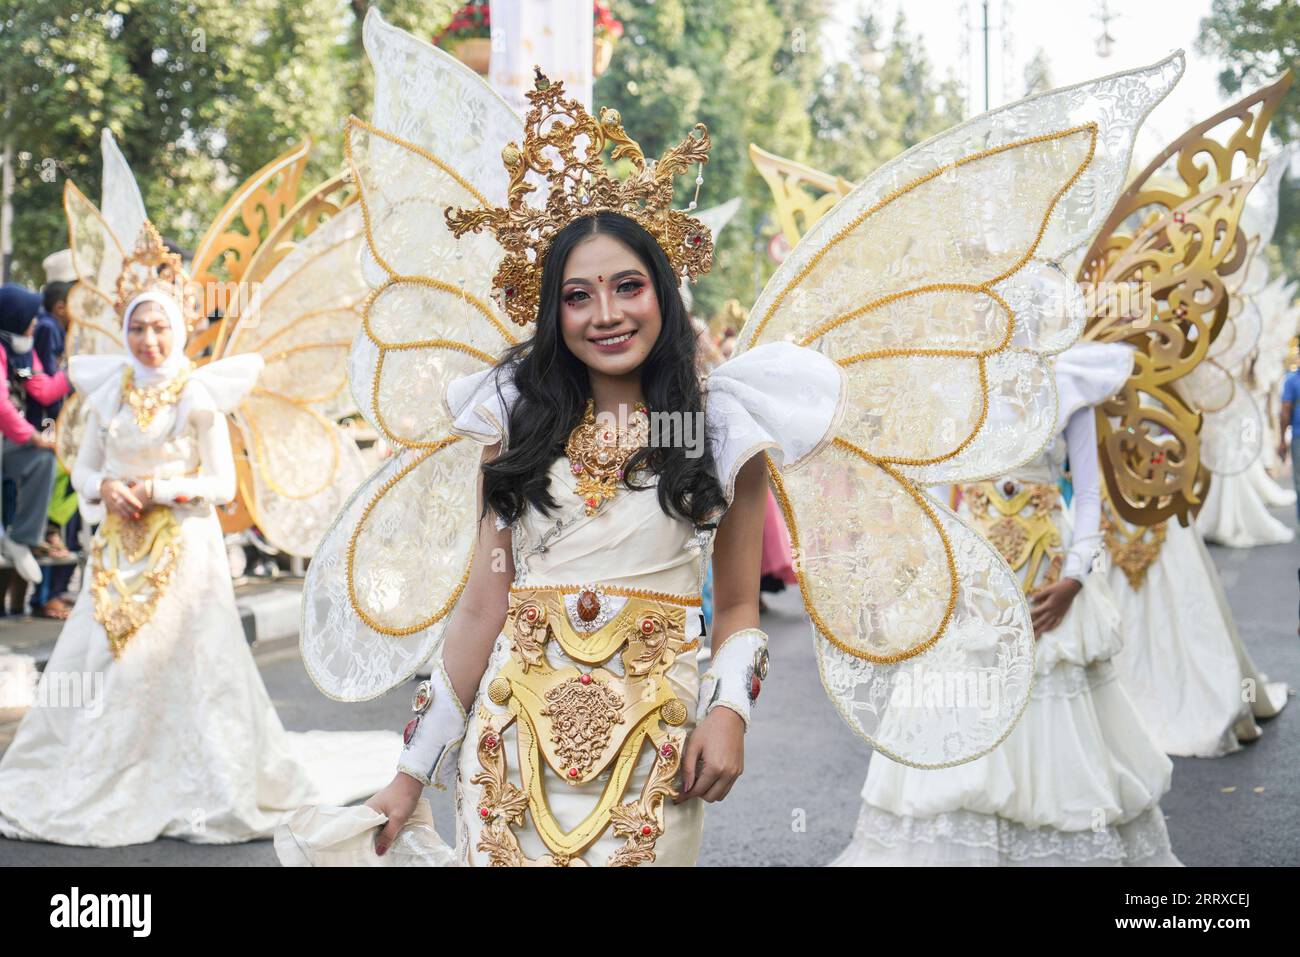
1019,525
1133,548
126,593
580,725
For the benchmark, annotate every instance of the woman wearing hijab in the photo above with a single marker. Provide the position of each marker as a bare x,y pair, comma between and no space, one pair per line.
151,719
28,453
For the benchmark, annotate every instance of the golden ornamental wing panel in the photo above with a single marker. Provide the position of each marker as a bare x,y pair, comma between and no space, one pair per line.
249,216
387,575
944,325
302,318
802,194
1159,276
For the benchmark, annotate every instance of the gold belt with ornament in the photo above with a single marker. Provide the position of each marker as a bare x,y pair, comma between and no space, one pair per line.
1016,518
126,598
1133,548
577,725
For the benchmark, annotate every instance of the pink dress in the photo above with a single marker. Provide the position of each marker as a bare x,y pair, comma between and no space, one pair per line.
777,562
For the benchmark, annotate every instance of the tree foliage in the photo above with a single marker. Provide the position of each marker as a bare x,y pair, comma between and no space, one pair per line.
1257,41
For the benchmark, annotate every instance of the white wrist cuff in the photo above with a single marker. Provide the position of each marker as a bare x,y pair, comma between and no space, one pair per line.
1081,558
434,734
735,675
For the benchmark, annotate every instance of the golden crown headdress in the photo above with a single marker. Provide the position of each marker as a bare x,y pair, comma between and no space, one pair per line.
581,187
152,267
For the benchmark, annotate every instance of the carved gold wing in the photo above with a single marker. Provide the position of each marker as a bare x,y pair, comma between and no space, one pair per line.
1158,274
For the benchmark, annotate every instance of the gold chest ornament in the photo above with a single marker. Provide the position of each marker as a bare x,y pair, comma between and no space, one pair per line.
146,402
1017,521
577,725
598,453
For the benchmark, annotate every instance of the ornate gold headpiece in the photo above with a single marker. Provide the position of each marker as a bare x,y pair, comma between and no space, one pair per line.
579,187
152,267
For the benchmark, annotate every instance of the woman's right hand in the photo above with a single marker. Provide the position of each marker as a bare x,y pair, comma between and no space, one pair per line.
397,802
119,499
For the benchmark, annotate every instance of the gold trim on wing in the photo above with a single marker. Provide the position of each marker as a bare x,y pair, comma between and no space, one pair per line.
350,566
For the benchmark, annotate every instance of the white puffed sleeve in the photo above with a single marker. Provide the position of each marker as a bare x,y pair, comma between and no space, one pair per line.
778,397
479,404
1086,375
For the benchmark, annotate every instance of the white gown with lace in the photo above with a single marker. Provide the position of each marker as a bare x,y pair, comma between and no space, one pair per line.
1075,783
1183,664
181,739
777,398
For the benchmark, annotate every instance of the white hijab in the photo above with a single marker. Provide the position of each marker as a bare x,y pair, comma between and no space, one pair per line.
176,359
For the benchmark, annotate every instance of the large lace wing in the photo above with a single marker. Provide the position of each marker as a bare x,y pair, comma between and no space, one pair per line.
393,564
305,291
1279,319
100,240
936,286
1173,237
1232,419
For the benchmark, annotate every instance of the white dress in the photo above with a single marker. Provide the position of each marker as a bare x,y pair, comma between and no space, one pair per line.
1236,514
1183,664
1076,782
176,736
629,551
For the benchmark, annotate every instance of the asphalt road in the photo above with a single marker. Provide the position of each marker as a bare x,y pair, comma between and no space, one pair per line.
798,799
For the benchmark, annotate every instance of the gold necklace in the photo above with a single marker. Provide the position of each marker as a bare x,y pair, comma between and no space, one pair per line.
147,401
598,453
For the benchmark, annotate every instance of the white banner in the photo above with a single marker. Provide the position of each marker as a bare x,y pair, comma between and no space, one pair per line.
553,34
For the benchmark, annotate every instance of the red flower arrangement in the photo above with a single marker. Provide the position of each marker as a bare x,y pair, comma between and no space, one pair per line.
606,24
469,22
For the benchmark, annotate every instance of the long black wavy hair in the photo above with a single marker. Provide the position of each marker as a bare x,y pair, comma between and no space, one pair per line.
554,387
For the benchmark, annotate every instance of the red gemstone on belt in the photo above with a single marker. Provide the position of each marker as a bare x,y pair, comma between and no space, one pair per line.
647,830
490,741
585,679
573,772
482,812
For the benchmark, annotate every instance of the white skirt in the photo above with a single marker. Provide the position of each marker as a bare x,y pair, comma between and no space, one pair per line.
1180,664
1235,514
1076,782
177,737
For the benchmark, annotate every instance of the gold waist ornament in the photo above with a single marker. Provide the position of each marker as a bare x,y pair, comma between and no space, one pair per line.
578,725
1016,519
1133,548
125,599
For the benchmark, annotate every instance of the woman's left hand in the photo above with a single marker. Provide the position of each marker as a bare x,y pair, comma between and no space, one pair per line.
1047,606
143,490
714,756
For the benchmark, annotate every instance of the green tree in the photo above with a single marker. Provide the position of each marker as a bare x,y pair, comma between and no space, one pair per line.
1256,41
746,68
198,94
879,102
